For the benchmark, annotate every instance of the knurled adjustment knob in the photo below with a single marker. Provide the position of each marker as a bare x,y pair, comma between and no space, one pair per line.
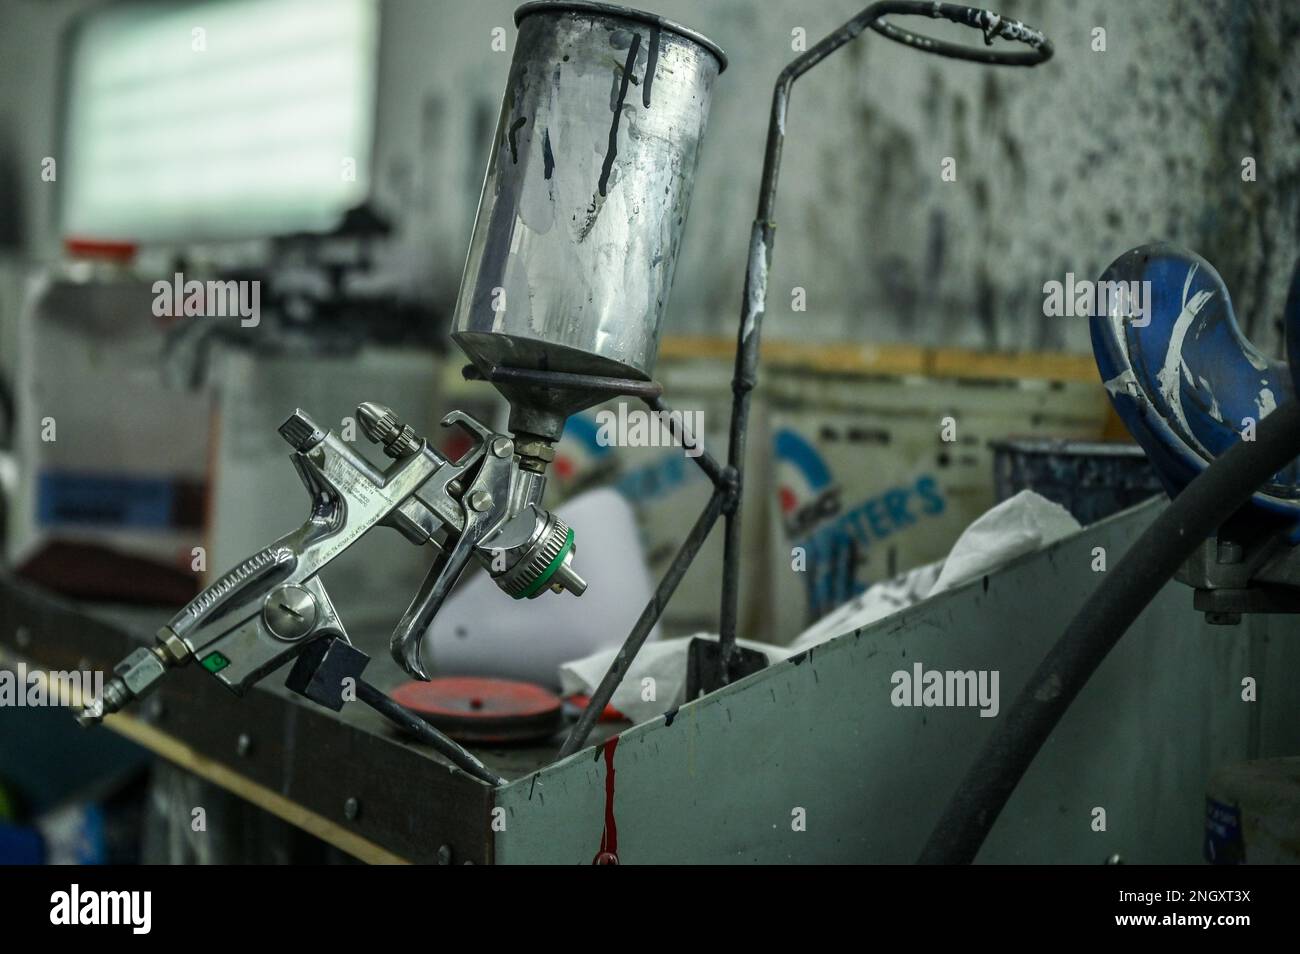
300,433
546,564
381,426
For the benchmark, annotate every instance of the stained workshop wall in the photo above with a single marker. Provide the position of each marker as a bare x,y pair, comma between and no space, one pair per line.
1059,169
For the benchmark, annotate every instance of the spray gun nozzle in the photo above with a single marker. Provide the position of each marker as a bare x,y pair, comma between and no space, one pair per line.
565,579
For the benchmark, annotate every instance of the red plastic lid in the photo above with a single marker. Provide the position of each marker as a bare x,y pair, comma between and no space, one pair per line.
609,715
480,709
102,249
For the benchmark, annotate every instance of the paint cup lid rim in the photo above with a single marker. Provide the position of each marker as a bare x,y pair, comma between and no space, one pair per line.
627,13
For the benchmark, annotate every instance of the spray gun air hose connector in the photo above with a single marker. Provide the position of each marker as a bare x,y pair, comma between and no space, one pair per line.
134,677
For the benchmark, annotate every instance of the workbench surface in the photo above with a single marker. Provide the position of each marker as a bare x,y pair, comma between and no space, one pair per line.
285,754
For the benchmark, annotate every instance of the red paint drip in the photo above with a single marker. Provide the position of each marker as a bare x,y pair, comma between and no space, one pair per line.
608,854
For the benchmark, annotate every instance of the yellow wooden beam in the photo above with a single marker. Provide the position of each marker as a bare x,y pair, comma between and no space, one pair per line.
177,752
1021,365
892,359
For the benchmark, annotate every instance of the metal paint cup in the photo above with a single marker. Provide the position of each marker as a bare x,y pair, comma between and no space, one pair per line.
586,193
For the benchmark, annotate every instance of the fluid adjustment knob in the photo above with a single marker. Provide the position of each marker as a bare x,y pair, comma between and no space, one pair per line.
381,426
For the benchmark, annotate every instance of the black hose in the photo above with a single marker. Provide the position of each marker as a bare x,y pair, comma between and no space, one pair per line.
1204,504
395,712
8,414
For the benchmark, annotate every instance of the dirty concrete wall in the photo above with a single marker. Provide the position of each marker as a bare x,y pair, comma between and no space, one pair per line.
1058,169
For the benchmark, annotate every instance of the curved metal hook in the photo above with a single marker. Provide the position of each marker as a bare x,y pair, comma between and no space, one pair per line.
754,301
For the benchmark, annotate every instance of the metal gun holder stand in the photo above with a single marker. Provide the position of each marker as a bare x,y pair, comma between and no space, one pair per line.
560,308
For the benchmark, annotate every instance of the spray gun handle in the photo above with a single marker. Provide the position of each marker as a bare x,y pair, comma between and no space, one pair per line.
236,647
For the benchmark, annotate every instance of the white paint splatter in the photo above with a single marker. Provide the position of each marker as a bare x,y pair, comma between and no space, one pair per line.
1125,383
1174,366
1214,401
1257,360
757,298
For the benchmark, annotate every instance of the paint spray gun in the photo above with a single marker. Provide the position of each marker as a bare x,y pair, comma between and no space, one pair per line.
266,610
560,307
